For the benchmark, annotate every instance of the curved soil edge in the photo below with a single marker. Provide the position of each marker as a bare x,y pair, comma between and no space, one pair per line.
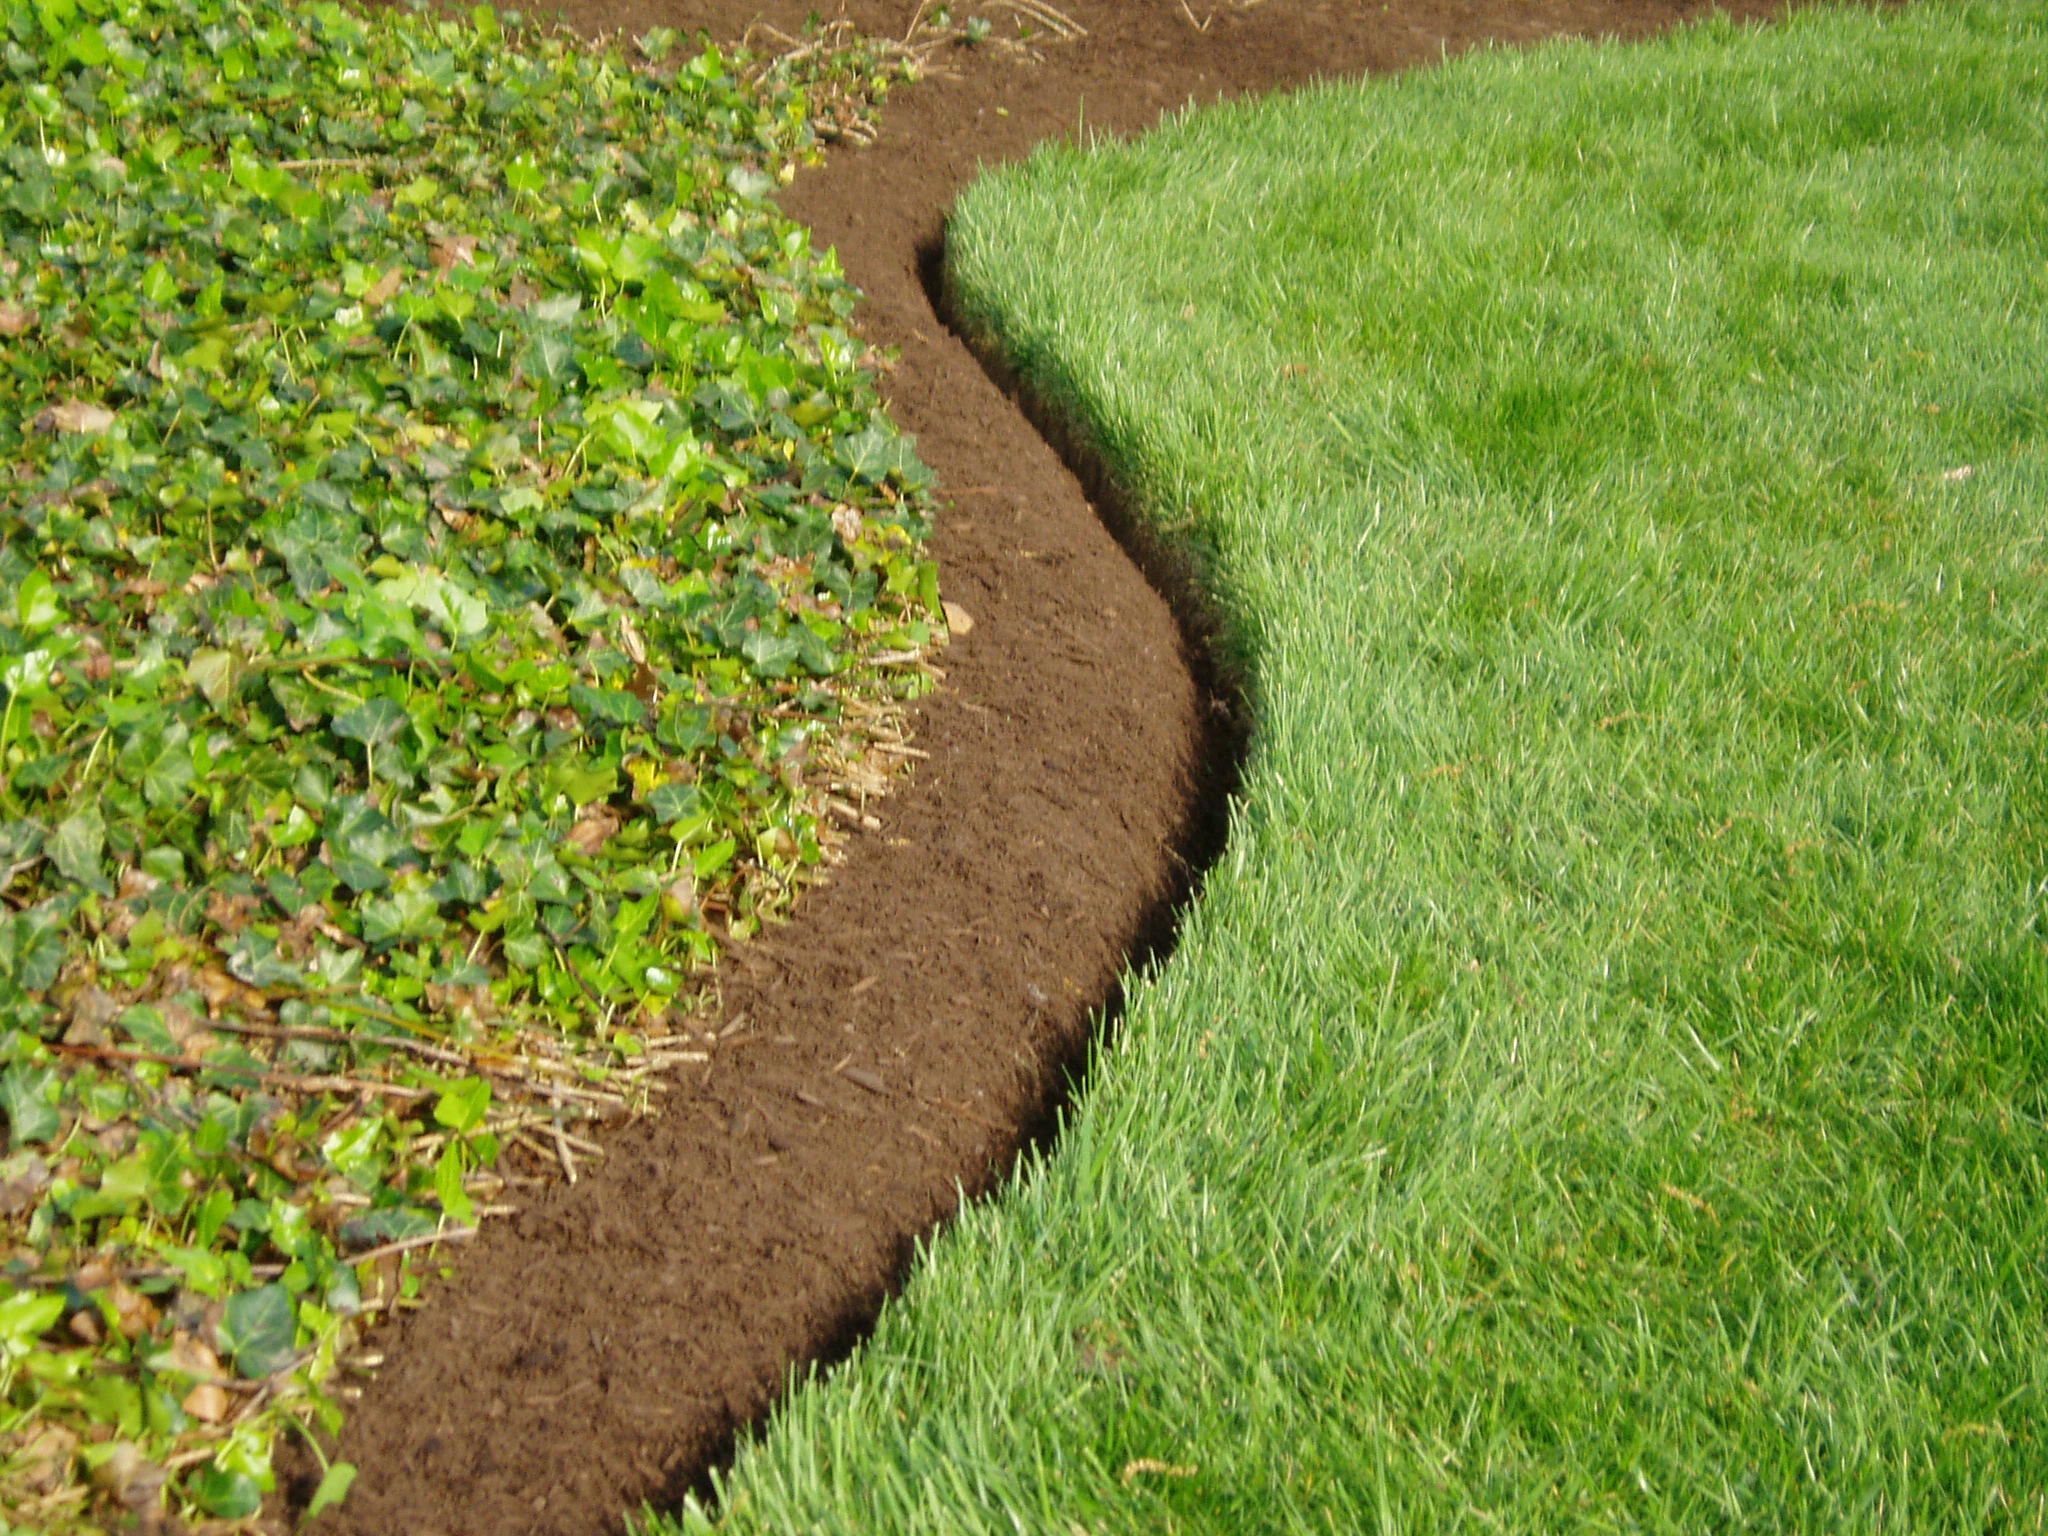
916,1023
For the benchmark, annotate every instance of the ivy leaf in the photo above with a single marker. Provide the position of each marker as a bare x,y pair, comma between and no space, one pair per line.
214,672
411,911
25,1316
874,455
304,705
551,355
361,843
159,758
28,1094
29,672
259,1330
749,184
32,946
460,613
609,706
21,844
462,1105
36,606
228,1494
672,802
75,845
391,1225
770,655
335,1483
448,1185
372,723
583,781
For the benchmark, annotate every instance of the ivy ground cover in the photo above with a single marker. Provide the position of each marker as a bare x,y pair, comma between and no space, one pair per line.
449,549
1600,1088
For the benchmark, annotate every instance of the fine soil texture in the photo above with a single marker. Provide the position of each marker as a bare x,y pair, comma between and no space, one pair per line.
916,1024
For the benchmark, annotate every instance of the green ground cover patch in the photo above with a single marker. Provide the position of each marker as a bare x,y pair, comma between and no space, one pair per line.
448,538
1601,1086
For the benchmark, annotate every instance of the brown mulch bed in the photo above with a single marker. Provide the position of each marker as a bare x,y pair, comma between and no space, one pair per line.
911,1028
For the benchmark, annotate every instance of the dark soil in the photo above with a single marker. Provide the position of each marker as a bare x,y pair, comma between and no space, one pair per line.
917,1022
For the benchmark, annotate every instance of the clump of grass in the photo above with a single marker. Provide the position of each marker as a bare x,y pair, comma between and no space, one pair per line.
1602,1085
452,564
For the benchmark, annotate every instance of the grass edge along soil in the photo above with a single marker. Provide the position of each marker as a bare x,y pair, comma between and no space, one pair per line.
351,864
1602,1082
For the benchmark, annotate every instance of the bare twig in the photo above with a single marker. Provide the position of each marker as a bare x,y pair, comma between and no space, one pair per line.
407,1244
1058,23
561,1139
291,1082
343,1037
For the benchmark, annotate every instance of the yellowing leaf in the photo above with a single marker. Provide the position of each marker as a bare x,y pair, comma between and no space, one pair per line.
214,673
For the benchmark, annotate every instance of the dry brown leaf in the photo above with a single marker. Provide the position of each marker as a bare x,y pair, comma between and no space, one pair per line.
679,900
593,829
45,1459
93,1011
14,320
454,251
222,991
135,1313
192,1357
134,1481
81,416
958,620
21,1192
96,1273
207,1402
381,291
135,884
193,1037
629,636
230,914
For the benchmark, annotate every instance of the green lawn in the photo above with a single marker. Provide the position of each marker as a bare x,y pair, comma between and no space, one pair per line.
1600,1088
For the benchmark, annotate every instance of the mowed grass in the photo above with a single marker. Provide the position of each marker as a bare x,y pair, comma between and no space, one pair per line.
1601,1087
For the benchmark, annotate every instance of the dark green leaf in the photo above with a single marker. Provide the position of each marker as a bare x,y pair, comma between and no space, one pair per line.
258,1329
230,1495
75,846
28,1095
372,723
159,758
